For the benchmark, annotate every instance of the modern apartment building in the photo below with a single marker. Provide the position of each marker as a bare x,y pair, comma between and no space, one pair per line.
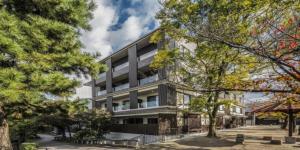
141,99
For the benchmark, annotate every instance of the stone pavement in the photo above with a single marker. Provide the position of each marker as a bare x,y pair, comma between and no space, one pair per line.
46,142
226,140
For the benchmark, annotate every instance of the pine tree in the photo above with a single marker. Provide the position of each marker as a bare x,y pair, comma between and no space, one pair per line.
39,47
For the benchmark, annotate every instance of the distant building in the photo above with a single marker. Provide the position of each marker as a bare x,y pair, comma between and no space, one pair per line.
143,100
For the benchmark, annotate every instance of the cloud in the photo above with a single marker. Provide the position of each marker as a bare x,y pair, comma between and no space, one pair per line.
139,20
97,40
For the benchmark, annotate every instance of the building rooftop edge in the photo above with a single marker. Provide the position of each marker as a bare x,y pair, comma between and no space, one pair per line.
128,45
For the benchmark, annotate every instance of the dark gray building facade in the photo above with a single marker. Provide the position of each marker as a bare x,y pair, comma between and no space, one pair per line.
141,99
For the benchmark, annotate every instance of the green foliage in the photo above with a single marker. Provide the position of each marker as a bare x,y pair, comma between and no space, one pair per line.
39,43
29,146
39,49
85,134
268,29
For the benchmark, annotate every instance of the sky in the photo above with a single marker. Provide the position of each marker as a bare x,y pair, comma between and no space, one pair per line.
116,23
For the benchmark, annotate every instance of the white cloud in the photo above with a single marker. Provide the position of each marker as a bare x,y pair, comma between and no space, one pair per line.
102,39
97,40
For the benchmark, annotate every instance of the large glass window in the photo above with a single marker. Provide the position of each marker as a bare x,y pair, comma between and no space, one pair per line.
141,104
152,121
221,108
116,106
133,121
234,109
152,101
186,99
126,105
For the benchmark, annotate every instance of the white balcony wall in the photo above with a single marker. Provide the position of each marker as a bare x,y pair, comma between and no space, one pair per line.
102,75
101,92
147,55
148,79
121,66
121,87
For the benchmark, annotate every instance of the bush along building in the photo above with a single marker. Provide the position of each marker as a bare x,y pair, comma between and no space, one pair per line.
143,100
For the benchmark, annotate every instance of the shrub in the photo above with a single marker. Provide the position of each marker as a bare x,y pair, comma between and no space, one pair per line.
28,146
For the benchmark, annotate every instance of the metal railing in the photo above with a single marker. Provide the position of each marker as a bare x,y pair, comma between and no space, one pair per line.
149,79
121,87
147,55
102,75
101,92
121,66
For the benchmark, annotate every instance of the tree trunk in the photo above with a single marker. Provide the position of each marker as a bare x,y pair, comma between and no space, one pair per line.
212,127
4,132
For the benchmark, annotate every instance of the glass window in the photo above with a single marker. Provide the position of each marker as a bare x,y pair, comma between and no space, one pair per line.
141,104
152,121
186,99
152,101
115,106
126,105
221,108
233,109
133,121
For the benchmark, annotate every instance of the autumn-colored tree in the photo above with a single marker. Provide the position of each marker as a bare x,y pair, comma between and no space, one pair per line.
268,29
39,46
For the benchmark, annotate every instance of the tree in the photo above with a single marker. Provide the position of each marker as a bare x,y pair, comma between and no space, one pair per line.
39,46
204,69
268,29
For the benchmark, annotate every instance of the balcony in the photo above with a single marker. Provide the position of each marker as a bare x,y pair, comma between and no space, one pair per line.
101,78
99,93
148,79
120,107
102,75
119,67
121,87
147,55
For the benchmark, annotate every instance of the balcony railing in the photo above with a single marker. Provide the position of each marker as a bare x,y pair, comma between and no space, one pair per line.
120,108
147,55
101,92
102,75
121,87
121,66
148,79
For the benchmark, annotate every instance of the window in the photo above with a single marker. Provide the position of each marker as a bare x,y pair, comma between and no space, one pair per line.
152,101
221,108
241,110
234,109
116,106
126,105
186,99
133,121
141,104
152,121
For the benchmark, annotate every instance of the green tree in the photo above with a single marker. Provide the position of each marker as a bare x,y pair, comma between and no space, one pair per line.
39,46
268,29
208,69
